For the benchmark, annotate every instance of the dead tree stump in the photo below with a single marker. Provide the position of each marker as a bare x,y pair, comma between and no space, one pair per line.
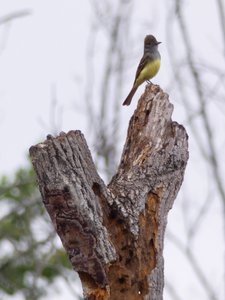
114,234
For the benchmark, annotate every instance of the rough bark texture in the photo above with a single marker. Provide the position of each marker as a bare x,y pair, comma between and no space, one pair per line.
114,234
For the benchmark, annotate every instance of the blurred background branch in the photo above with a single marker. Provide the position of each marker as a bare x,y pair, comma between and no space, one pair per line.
14,15
6,21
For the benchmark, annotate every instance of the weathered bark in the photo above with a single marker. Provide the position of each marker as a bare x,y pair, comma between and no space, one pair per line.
114,234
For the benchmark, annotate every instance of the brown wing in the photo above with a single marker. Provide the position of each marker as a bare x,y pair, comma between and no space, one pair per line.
143,62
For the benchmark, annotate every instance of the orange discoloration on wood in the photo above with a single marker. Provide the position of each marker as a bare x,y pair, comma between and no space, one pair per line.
99,294
147,244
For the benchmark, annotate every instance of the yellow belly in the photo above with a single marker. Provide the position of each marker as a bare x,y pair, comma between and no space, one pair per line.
149,71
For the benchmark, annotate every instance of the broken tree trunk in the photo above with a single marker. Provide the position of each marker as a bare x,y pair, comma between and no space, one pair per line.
114,234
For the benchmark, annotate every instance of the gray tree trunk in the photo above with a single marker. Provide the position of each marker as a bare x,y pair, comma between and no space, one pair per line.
114,234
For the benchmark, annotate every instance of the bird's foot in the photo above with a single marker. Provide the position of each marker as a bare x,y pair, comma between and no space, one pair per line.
149,82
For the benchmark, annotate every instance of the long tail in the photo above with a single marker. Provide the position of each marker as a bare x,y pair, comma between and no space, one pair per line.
130,96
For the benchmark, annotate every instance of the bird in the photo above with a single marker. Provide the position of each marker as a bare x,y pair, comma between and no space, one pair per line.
148,66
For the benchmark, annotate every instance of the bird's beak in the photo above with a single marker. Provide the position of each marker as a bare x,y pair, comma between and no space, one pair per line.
159,43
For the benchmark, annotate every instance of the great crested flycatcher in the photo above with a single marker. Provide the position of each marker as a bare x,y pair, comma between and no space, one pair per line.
148,66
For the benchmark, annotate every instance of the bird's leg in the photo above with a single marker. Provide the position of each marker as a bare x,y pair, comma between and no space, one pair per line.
149,82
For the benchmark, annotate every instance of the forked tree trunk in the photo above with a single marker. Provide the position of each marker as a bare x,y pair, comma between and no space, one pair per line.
114,234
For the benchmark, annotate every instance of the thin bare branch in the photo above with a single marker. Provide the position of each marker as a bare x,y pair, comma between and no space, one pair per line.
15,15
221,13
200,93
172,291
106,125
193,229
194,264
178,80
89,93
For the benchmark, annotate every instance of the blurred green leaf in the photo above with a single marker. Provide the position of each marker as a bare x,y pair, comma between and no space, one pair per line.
29,258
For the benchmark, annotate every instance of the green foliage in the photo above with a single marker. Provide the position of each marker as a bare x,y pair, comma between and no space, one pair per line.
56,262
29,258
